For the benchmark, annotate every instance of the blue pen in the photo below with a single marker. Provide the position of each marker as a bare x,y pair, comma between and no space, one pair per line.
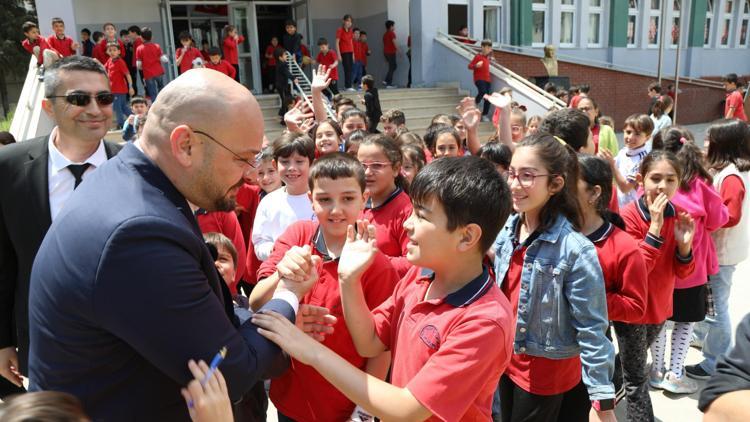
212,368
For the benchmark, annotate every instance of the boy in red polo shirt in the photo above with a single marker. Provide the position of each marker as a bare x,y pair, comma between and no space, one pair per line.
149,58
120,83
364,50
337,185
389,50
271,63
481,67
734,108
110,35
185,55
328,58
59,41
37,46
216,63
449,328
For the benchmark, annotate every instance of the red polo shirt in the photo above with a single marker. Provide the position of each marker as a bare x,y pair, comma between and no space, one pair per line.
223,66
302,393
734,99
389,42
191,54
448,352
660,256
100,54
231,50
137,43
103,43
270,61
117,72
346,40
532,373
248,198
62,45
388,220
150,56
41,43
363,49
328,60
225,222
625,277
481,73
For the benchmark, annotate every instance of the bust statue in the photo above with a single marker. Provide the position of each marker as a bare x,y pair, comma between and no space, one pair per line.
549,60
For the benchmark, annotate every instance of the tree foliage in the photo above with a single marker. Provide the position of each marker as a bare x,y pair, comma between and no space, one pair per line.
14,60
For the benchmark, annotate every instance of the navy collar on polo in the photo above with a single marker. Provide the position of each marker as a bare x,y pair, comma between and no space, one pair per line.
319,242
669,211
390,198
470,292
601,233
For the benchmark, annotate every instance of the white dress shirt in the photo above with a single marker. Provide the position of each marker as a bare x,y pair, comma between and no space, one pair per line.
61,180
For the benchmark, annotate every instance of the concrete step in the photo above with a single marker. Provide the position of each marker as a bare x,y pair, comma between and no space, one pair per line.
408,92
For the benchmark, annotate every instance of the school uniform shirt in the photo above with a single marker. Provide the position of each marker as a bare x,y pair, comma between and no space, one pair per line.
103,47
248,199
734,99
100,53
628,162
709,213
390,236
149,54
659,253
191,54
302,393
117,72
230,47
277,211
389,42
448,352
270,61
223,66
346,40
532,373
733,240
41,43
225,222
614,204
88,48
625,275
328,60
137,43
364,50
63,45
481,73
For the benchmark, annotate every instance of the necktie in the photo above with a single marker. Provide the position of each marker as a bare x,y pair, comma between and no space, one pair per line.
78,170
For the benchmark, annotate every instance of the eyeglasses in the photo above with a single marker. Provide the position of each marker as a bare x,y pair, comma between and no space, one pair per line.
375,166
252,163
525,179
82,99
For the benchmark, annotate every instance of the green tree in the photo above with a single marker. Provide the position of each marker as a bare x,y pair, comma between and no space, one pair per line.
14,59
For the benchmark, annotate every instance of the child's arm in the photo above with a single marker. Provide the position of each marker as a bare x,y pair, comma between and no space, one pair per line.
628,301
717,213
338,49
623,184
131,91
321,80
128,129
297,265
684,232
733,194
180,55
471,117
504,132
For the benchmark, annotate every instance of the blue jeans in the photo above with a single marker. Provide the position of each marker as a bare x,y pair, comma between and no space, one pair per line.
153,86
121,109
357,73
718,328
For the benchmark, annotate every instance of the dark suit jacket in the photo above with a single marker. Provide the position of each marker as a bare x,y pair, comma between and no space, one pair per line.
24,220
125,293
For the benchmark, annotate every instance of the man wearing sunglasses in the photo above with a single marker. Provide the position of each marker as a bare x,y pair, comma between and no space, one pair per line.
124,294
38,178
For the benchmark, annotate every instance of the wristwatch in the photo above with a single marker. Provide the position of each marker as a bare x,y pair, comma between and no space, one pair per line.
602,405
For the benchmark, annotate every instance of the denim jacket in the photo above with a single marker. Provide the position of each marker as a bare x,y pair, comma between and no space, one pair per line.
562,305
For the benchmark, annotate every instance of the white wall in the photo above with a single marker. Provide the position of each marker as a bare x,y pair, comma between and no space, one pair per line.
117,12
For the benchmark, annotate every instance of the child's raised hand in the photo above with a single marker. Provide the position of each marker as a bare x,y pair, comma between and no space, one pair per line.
358,252
296,264
656,208
297,115
479,64
684,231
315,321
471,118
209,402
607,155
286,335
321,78
498,100
307,125
466,103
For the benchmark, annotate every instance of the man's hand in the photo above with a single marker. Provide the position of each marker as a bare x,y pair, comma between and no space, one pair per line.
321,78
281,331
358,252
9,366
315,321
209,402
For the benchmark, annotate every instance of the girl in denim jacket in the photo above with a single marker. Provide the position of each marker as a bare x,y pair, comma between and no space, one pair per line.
551,275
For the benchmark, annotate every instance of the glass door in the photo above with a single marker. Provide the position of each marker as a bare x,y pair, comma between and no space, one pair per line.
242,16
302,16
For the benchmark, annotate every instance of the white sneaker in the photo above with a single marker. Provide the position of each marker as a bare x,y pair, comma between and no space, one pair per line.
391,87
656,379
681,385
485,119
351,90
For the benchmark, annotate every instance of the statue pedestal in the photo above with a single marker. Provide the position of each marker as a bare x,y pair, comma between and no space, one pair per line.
561,82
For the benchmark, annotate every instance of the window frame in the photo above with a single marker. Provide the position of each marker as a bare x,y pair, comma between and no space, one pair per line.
672,15
596,10
744,16
571,9
498,6
544,8
653,13
727,17
637,24
707,24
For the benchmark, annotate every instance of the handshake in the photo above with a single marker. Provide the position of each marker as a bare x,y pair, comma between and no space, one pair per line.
298,270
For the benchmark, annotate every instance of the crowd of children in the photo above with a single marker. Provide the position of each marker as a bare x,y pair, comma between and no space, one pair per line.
472,281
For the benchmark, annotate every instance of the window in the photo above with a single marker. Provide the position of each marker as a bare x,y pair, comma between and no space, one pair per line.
654,12
538,23
675,35
632,23
707,26
744,22
492,22
726,24
567,23
595,23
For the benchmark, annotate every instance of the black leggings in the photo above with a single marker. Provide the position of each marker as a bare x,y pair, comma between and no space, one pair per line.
391,59
347,59
236,72
518,405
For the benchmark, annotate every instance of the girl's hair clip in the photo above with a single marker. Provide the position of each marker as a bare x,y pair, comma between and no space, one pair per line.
683,140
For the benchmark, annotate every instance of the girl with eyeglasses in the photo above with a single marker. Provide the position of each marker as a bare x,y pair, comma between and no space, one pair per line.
551,275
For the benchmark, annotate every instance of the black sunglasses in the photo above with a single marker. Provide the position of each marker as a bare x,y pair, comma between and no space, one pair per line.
82,99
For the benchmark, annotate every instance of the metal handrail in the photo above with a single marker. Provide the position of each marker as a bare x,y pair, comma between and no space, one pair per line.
294,68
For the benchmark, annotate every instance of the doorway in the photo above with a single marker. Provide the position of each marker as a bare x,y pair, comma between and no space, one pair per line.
271,21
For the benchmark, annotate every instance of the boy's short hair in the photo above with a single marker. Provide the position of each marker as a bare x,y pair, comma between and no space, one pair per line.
368,81
185,35
113,45
146,33
290,22
497,153
355,138
123,32
219,241
266,155
57,20
389,24
486,42
342,101
86,31
441,118
97,35
337,165
362,32
289,143
214,51
322,41
470,190
356,29
135,29
584,88
655,86
570,124
137,100
731,78
106,24
641,123
394,116
278,53
28,26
